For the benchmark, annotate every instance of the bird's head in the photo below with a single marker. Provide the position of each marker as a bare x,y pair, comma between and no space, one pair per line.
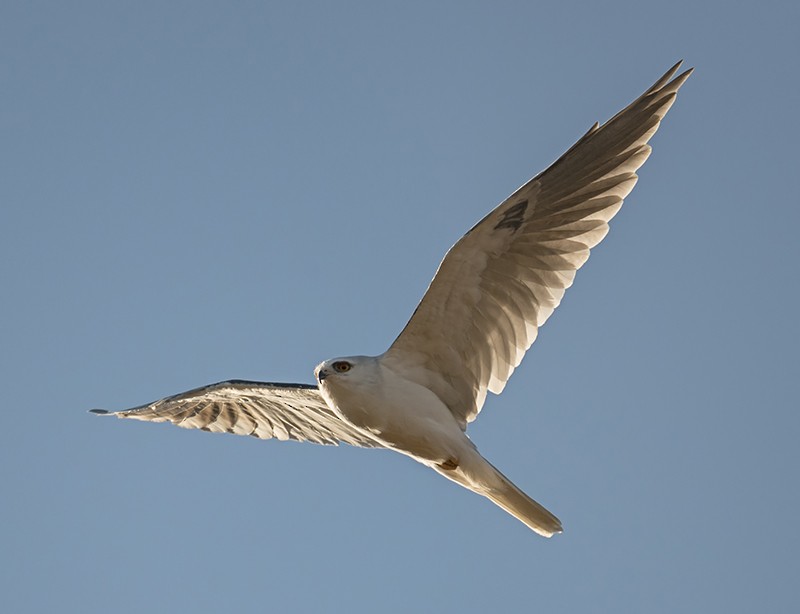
339,371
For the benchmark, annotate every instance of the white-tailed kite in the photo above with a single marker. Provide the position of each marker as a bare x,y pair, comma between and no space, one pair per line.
494,289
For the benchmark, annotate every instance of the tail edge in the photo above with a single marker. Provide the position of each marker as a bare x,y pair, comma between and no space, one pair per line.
485,479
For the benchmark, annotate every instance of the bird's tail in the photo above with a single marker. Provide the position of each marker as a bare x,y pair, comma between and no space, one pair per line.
522,507
496,487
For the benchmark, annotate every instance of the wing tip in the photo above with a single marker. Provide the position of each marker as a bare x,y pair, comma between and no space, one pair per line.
100,412
669,83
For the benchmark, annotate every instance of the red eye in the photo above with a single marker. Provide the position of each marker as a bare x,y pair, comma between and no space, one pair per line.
341,366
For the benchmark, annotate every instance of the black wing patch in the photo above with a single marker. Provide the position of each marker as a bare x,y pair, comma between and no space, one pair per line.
514,217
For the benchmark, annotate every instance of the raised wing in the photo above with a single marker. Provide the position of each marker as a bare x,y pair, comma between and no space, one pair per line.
501,281
259,409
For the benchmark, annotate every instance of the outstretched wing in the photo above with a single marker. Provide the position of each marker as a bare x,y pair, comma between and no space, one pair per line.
501,281
263,410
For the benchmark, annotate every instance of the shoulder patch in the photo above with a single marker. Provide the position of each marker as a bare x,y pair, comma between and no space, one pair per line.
514,217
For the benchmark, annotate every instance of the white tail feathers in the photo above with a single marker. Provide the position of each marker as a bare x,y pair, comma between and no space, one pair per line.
522,507
480,476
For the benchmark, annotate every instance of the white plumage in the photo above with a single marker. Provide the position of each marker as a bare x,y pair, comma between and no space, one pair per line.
494,289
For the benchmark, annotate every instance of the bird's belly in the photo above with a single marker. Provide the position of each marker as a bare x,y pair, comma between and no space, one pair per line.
406,417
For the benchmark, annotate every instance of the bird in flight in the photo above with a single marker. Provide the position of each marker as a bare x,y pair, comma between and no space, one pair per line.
494,289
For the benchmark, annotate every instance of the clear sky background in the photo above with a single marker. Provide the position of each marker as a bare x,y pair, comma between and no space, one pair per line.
197,191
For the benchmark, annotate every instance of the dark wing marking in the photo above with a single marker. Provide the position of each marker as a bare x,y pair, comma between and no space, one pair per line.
260,409
501,281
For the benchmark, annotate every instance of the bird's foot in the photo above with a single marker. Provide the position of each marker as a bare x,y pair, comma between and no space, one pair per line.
449,465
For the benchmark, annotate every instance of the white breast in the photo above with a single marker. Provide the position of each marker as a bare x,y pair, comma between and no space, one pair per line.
406,416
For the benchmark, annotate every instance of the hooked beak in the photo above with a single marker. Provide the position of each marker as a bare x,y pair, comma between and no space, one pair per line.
322,374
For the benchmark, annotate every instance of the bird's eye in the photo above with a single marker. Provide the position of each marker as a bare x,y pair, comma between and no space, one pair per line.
341,366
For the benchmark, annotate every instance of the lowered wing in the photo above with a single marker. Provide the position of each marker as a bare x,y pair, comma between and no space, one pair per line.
259,409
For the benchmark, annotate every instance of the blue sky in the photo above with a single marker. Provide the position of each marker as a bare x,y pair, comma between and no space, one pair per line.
196,191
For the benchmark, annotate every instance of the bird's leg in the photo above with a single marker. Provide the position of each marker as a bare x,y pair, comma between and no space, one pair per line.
449,465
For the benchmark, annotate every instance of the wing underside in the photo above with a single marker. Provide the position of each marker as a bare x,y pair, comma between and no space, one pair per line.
259,409
501,281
